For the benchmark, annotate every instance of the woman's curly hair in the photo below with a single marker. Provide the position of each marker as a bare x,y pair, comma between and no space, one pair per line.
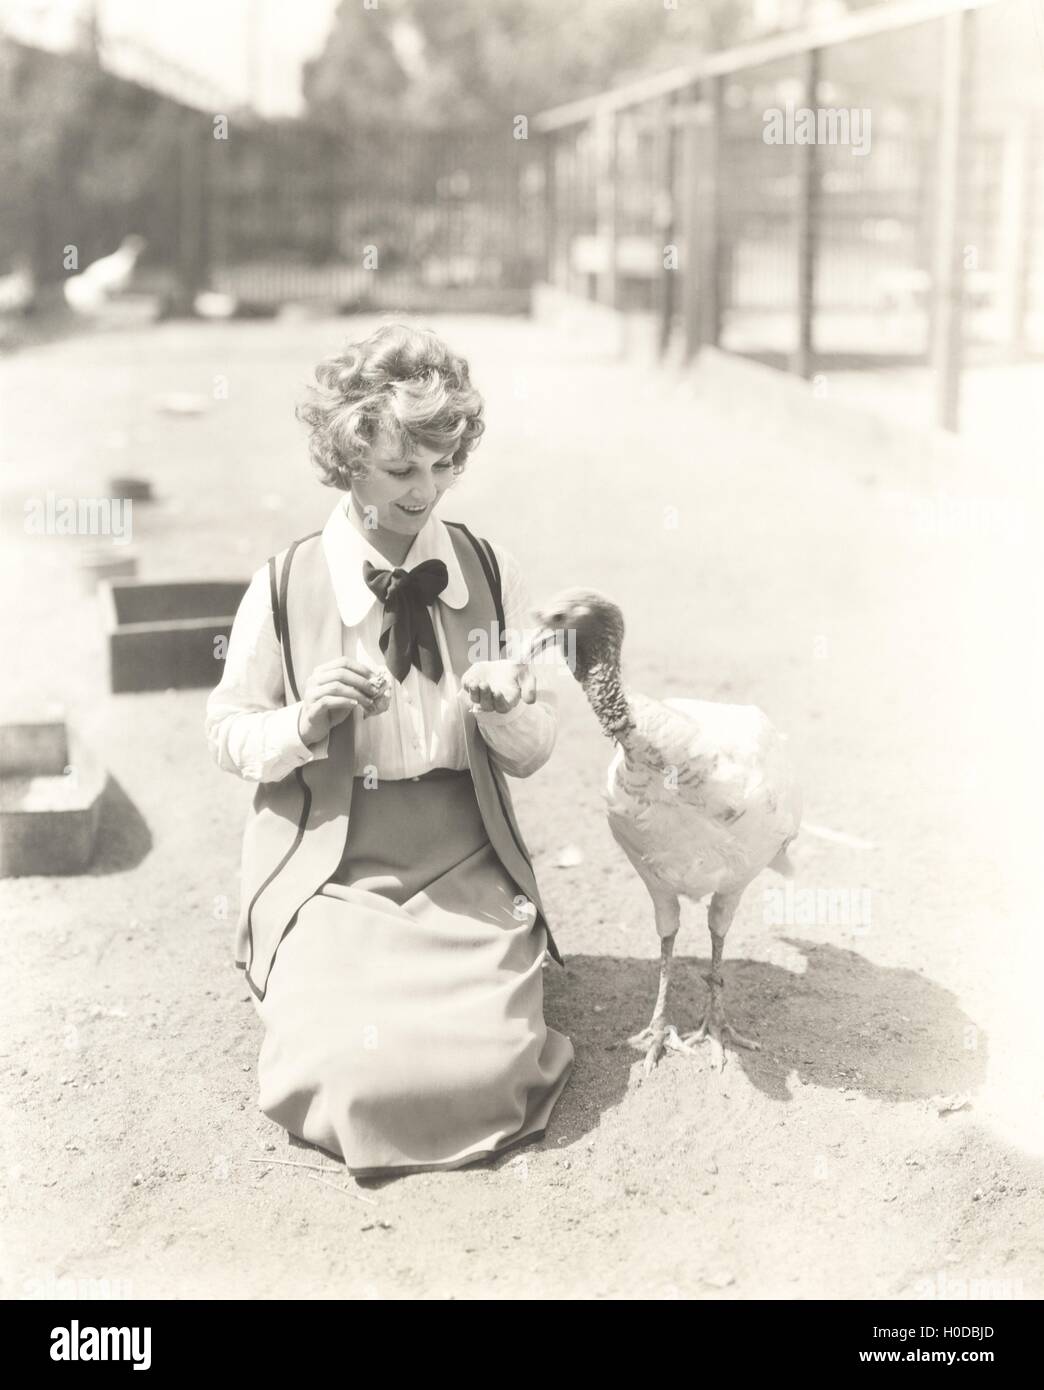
402,385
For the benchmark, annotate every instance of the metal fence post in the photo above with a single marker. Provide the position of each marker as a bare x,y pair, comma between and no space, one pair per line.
951,205
807,198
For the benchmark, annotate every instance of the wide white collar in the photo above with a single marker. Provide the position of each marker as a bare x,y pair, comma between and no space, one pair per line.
345,548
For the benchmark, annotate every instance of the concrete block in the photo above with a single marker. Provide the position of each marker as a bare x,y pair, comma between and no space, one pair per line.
37,744
169,635
50,799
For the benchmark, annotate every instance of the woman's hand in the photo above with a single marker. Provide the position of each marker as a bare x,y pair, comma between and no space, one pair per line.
333,690
499,685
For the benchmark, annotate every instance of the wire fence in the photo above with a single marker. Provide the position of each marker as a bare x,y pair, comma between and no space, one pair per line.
269,212
908,228
866,193
374,218
85,159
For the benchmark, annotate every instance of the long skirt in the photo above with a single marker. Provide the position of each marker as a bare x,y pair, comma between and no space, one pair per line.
404,1024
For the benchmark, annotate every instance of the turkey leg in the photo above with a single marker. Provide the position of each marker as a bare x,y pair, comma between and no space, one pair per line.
659,1034
715,1027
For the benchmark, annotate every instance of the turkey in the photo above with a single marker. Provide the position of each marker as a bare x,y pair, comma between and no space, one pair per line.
700,797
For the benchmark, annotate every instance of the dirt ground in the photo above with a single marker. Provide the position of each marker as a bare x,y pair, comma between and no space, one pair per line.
882,613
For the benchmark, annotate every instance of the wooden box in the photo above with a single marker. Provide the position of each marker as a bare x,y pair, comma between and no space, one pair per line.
171,635
50,799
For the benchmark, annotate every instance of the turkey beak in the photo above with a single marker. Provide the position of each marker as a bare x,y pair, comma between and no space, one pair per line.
543,638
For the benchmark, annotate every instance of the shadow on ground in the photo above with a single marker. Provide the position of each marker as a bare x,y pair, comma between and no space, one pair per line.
842,1024
123,837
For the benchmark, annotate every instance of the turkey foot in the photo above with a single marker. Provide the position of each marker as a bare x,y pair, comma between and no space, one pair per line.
656,1039
715,1027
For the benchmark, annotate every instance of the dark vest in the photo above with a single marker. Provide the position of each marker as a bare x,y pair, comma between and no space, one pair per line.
297,828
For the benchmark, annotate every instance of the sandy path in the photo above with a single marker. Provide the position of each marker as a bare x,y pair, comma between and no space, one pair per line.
832,591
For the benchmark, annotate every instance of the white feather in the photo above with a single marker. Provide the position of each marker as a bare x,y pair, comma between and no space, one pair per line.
701,797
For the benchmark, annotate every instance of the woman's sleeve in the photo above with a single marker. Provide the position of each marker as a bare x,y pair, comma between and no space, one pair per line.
250,731
520,741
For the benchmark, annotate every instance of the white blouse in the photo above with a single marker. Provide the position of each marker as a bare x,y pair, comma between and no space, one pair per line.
251,732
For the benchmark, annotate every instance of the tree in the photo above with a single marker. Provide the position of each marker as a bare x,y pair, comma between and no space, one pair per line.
360,75
476,62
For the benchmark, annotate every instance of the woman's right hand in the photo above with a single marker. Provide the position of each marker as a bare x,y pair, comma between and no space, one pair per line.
333,690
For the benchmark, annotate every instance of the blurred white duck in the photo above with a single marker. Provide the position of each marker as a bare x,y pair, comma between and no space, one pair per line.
88,292
18,289
700,798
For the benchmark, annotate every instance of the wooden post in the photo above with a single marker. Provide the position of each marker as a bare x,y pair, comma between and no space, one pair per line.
550,153
192,267
711,261
693,151
665,221
951,204
1016,228
576,175
803,356
702,134
607,198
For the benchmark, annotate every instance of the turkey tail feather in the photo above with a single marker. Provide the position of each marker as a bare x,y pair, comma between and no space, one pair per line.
836,837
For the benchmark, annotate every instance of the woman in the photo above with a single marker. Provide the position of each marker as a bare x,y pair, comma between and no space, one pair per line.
391,928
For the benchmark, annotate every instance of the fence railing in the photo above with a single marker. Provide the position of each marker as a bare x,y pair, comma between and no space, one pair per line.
862,193
908,228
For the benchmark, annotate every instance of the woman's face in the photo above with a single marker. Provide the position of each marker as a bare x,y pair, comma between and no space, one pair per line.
399,496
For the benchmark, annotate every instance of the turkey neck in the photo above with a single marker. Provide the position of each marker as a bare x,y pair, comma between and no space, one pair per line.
604,689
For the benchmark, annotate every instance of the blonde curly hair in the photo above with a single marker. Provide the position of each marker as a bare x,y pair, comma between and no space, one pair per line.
400,385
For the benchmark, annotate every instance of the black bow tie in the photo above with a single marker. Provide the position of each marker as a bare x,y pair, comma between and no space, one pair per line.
408,633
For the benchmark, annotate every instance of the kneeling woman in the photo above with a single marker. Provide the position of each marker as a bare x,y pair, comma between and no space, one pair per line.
390,925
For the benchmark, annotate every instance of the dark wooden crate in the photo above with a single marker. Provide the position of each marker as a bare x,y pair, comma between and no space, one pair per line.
166,635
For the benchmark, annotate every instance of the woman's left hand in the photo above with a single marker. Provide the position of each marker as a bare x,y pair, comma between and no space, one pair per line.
498,686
